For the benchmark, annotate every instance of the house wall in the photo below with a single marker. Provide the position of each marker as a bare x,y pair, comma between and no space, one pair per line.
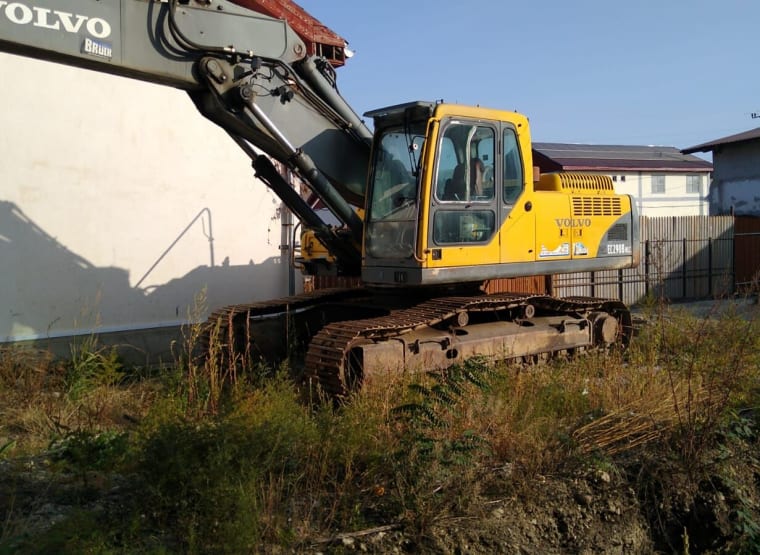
675,201
736,184
119,205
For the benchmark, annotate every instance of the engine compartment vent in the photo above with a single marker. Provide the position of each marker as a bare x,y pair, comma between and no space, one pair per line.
575,182
597,206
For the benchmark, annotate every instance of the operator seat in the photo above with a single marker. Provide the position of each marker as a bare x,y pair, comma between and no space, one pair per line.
455,187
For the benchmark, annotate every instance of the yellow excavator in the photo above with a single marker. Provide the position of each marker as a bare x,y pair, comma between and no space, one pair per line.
437,199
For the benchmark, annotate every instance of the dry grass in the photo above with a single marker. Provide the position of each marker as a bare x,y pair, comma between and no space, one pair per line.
225,458
38,404
677,384
643,420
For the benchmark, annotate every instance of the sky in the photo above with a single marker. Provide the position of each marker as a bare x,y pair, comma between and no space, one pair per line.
644,72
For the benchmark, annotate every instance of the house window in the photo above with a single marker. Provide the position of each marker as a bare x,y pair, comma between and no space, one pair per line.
622,178
694,184
658,184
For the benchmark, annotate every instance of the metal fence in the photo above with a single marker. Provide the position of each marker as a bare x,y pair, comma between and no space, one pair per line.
747,253
687,257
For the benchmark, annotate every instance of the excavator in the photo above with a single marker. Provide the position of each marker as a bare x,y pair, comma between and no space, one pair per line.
436,199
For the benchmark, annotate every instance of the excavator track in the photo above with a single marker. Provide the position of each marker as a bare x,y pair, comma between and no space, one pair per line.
230,332
329,359
433,333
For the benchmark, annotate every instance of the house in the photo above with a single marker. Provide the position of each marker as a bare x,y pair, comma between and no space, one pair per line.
121,207
735,187
662,180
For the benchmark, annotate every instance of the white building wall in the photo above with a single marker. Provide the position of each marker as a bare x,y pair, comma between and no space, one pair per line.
119,204
675,201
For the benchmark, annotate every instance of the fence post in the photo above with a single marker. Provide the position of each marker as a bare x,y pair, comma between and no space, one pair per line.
733,256
709,267
683,274
620,285
646,268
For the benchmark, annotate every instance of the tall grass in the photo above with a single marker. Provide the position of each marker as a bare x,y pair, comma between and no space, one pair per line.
227,461
42,399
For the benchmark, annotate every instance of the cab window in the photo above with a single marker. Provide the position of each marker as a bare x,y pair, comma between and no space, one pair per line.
512,178
463,226
465,171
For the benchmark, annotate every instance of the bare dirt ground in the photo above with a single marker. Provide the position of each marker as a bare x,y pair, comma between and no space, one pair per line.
586,511
592,513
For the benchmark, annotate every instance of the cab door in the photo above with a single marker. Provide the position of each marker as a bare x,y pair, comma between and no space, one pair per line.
463,230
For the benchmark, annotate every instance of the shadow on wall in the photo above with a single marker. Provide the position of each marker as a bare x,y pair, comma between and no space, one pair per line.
47,290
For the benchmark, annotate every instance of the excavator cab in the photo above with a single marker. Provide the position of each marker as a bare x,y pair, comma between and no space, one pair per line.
451,200
448,209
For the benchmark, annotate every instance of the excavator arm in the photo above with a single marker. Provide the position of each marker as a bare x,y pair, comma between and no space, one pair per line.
247,71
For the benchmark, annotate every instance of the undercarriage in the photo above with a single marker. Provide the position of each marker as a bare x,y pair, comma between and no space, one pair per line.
347,337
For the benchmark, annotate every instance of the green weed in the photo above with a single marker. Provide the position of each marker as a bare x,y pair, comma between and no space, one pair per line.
78,533
86,450
6,448
91,366
436,446
432,409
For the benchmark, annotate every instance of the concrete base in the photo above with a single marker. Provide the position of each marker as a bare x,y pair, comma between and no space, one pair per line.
150,347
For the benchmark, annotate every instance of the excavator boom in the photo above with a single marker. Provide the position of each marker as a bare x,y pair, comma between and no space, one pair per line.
135,38
245,70
320,41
